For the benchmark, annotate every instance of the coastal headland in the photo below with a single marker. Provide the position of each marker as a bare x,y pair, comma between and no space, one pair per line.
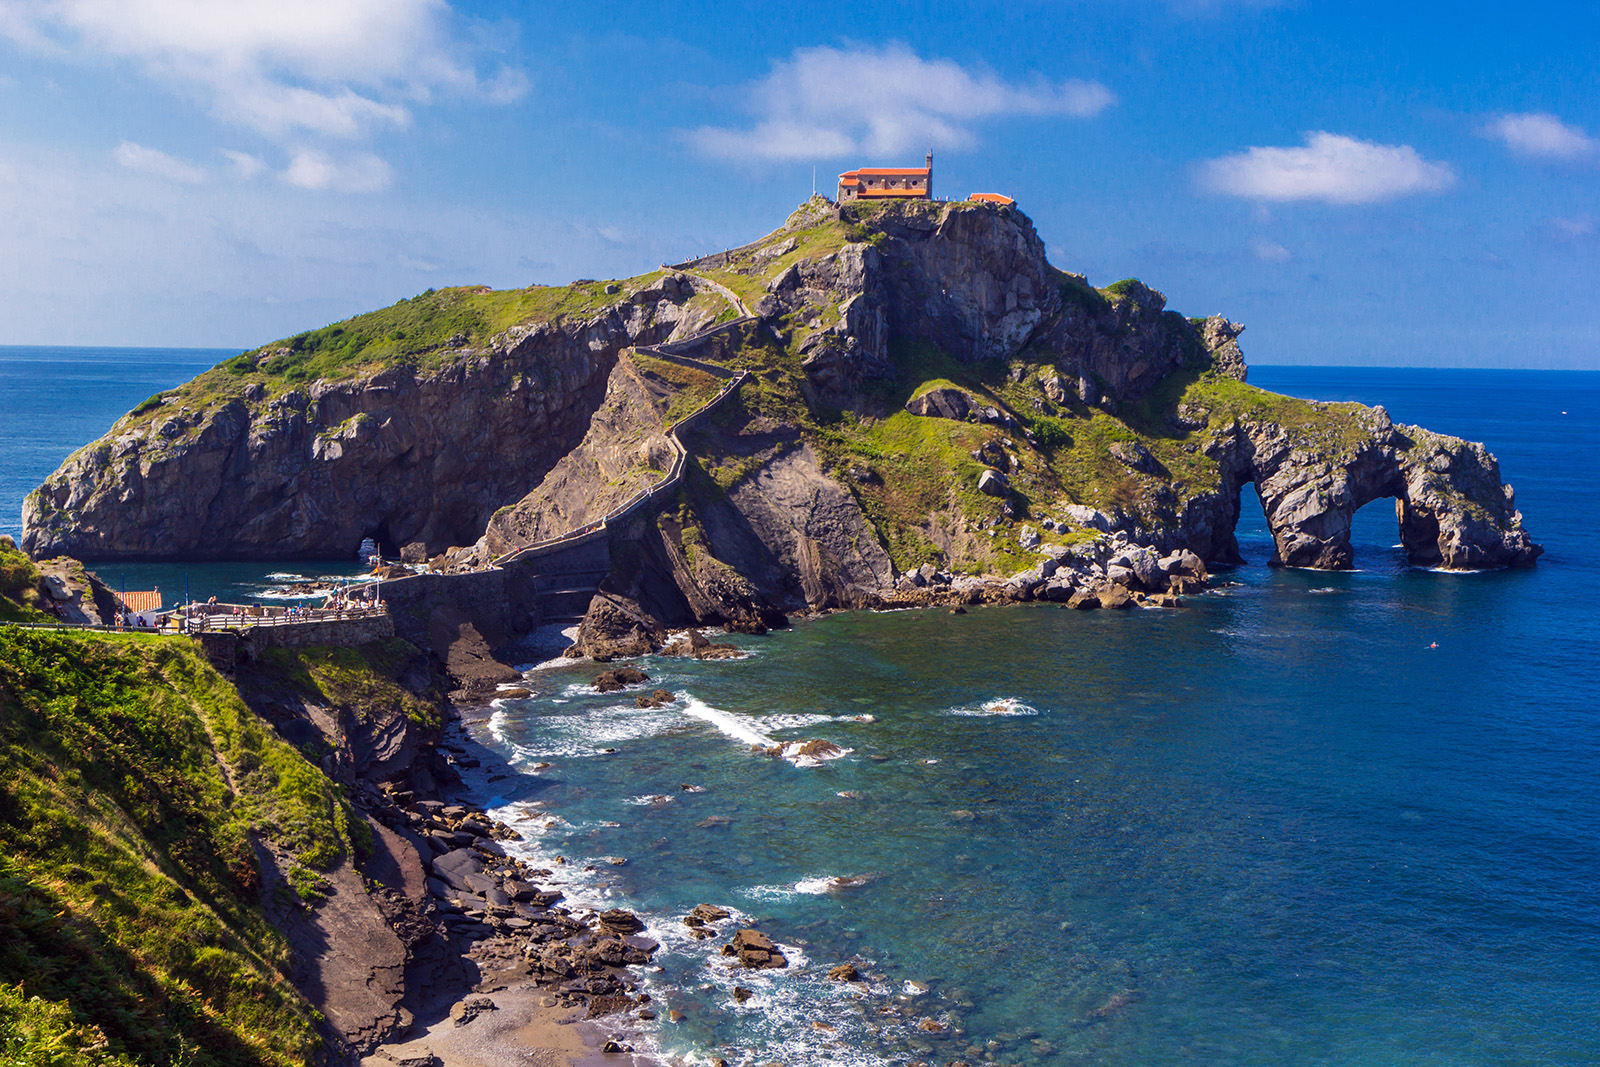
876,405
928,411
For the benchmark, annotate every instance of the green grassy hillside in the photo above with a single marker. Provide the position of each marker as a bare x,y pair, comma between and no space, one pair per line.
132,781
20,600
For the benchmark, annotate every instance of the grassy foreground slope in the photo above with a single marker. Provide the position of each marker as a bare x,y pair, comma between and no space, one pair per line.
133,781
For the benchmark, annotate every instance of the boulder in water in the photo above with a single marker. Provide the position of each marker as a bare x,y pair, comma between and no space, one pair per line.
755,950
621,678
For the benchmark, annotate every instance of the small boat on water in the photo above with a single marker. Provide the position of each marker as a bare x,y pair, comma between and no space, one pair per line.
368,552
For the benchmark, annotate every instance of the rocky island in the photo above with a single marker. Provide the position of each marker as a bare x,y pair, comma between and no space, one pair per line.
928,410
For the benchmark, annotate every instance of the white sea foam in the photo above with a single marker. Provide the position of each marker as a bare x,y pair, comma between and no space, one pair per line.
747,730
998,707
284,594
793,722
805,887
575,735
738,727
832,883
813,886
768,892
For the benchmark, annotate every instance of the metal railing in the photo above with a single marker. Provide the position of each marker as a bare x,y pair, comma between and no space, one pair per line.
204,621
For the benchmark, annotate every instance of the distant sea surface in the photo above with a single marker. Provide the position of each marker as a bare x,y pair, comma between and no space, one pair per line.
1325,819
55,400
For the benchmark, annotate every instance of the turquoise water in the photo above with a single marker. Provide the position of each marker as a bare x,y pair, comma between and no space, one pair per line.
55,400
1273,828
1277,827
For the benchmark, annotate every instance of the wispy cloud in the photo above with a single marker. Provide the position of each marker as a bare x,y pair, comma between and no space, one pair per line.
329,67
1329,167
1269,251
156,162
1542,136
1576,228
245,166
829,102
362,172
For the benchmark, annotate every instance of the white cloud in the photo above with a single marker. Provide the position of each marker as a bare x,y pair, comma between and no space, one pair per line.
154,161
1269,251
1331,168
245,166
1575,228
829,102
359,173
1542,136
335,68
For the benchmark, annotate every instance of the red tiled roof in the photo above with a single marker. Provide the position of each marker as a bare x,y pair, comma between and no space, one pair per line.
142,601
991,198
884,171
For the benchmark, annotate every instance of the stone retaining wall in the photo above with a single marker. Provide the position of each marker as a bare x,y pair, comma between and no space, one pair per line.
480,595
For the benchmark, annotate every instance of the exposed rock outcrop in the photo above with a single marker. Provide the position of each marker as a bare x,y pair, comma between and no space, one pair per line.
1452,508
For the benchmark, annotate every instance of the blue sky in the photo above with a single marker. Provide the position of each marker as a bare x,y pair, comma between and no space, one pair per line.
1357,183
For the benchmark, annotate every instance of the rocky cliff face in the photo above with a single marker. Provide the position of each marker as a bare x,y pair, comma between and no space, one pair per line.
240,467
976,284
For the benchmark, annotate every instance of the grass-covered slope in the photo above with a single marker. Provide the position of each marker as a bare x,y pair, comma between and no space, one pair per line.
20,599
423,332
132,781
364,680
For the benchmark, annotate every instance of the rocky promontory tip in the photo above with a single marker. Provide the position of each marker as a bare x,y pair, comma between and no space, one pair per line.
930,412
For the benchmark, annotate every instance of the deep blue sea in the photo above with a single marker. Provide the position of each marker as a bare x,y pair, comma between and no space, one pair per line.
55,400
1276,827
